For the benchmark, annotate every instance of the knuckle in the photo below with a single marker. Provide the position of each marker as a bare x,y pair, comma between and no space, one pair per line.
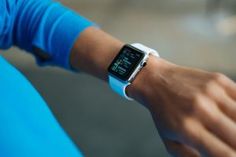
197,98
229,153
213,116
219,77
190,131
185,126
208,88
193,138
203,107
198,104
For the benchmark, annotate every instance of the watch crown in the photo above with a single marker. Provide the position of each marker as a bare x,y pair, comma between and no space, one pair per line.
144,63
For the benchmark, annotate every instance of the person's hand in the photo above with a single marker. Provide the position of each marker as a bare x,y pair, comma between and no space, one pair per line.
194,111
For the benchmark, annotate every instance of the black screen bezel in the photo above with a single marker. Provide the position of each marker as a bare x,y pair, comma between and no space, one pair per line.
134,65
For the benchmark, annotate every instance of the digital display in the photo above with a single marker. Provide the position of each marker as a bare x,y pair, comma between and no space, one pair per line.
126,62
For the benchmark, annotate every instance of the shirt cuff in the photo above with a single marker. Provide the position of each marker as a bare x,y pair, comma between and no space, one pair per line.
56,34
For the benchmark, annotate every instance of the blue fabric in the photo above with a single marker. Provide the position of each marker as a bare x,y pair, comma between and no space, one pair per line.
27,127
41,24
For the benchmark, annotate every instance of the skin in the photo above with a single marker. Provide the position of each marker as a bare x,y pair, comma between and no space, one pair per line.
194,110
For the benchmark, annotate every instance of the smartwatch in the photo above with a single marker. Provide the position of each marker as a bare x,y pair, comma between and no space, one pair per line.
126,65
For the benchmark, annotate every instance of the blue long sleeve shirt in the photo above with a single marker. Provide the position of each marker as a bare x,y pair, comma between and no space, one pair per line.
48,30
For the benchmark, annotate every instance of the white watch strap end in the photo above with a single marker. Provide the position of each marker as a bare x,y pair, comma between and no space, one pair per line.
146,49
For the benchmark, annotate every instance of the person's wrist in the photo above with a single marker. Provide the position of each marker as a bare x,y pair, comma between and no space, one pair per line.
152,73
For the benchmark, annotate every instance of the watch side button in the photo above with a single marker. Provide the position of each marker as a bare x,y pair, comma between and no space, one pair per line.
143,64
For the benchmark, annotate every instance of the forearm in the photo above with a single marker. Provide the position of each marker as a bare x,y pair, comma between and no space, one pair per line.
93,52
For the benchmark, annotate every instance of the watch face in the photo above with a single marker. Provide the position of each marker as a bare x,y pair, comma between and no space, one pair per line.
126,62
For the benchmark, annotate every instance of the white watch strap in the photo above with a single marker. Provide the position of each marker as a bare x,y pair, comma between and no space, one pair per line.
120,87
146,49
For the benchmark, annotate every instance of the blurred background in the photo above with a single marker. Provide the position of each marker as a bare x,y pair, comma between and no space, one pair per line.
193,33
